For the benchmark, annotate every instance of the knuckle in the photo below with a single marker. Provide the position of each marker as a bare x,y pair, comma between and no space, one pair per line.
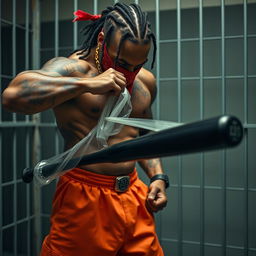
112,75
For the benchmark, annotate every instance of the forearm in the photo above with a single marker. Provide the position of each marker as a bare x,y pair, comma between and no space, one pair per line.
151,166
32,92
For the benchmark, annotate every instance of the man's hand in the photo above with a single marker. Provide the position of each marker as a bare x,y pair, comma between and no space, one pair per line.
108,81
157,198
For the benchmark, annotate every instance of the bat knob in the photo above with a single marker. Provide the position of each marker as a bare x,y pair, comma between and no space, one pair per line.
28,174
234,129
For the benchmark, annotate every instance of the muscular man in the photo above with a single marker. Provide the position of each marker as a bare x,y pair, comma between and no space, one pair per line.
90,217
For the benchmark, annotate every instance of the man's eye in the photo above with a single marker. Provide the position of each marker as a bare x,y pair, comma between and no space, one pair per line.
120,64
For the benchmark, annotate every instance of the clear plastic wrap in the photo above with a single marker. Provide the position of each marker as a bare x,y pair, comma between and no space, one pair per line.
148,124
94,141
114,115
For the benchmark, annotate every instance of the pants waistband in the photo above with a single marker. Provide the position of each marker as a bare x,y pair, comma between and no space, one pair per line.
97,179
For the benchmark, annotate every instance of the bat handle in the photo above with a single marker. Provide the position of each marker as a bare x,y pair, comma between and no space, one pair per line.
27,175
36,173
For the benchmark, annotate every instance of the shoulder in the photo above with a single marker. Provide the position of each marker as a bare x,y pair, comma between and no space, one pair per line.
149,81
147,78
65,66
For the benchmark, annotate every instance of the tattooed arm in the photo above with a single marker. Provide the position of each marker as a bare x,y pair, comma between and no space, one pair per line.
59,80
151,166
146,89
156,199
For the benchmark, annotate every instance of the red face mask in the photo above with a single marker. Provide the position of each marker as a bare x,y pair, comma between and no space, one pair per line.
107,63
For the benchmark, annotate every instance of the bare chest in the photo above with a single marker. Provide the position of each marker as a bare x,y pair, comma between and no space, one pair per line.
93,105
76,118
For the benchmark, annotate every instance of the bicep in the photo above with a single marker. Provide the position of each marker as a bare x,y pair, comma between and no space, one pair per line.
61,66
54,67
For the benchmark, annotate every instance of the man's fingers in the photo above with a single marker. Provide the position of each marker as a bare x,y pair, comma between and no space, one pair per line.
153,207
121,76
152,194
109,81
116,74
158,202
116,89
156,199
120,82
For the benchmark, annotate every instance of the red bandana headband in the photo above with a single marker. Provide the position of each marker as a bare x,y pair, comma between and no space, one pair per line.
81,15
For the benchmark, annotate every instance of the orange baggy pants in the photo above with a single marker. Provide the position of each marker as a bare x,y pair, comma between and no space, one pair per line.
90,218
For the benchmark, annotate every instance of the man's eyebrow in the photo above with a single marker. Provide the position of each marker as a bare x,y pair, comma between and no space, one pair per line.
127,63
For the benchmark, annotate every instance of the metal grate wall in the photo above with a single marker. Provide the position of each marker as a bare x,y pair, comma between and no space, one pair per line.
205,67
213,193
17,216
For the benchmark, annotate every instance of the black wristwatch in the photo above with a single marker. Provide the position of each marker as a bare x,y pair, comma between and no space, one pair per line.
163,177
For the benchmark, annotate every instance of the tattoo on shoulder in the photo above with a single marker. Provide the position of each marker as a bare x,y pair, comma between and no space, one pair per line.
138,88
63,66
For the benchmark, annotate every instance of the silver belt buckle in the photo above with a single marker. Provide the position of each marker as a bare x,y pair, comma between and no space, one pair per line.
122,183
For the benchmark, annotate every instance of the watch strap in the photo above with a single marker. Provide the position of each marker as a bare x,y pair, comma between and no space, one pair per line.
163,177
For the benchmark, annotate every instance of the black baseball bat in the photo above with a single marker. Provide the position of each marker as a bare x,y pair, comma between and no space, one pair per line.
211,134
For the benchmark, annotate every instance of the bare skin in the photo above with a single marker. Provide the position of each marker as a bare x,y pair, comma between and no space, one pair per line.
77,93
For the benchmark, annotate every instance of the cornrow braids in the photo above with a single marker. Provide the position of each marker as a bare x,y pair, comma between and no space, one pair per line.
125,36
129,19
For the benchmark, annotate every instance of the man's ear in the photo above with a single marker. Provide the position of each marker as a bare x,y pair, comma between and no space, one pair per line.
100,37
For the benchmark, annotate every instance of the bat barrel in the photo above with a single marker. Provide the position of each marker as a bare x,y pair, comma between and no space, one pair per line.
211,134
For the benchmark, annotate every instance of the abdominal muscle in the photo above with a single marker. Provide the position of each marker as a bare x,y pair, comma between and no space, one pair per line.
75,121
77,117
